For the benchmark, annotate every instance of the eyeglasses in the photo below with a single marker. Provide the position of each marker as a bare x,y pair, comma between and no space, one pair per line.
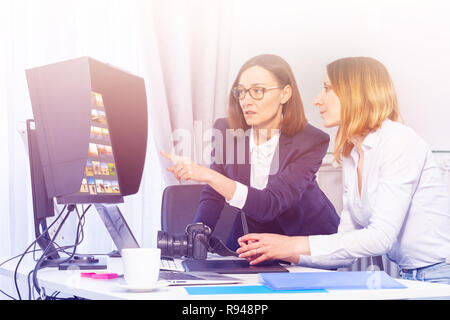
256,93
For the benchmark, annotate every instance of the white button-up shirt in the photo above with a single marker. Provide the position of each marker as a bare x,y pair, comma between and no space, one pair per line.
260,159
403,210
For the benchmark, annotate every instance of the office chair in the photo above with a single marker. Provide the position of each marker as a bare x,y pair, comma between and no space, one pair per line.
179,205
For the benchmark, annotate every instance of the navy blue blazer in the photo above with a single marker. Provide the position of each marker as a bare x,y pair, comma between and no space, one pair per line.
292,202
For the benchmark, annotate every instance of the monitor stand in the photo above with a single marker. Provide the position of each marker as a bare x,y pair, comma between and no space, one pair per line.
80,262
115,254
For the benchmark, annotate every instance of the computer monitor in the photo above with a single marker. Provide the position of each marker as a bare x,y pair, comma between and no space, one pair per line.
43,206
87,141
91,130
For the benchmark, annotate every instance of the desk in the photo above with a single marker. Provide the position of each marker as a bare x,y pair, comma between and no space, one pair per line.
69,282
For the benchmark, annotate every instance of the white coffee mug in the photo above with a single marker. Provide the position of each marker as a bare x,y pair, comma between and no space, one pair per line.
141,266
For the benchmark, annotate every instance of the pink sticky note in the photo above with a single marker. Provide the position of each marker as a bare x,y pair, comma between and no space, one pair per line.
105,276
87,274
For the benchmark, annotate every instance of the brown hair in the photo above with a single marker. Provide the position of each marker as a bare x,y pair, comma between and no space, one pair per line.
367,96
294,119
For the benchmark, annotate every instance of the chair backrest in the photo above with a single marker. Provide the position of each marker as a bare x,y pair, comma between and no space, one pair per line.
179,205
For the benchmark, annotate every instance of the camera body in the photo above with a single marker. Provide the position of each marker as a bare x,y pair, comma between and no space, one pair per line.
194,243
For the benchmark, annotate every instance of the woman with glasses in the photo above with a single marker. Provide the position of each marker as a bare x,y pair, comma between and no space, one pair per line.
265,159
395,199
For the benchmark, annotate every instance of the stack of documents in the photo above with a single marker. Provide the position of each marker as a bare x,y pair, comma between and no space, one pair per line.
329,280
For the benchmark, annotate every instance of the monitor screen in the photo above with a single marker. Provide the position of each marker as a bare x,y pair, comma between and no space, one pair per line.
100,176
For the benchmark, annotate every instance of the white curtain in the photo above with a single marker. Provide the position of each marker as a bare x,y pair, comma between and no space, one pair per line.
189,71
180,48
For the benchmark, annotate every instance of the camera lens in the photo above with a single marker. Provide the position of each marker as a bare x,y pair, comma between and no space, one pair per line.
172,245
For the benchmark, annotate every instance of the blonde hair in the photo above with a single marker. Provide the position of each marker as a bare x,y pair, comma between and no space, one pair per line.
367,96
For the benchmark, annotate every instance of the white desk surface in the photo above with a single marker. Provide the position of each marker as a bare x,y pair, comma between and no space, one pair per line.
69,282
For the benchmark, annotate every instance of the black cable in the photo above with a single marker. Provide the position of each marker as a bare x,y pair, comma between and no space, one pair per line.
244,222
44,254
11,297
44,233
19,255
34,251
15,257
59,250
29,285
33,243
82,220
26,252
78,241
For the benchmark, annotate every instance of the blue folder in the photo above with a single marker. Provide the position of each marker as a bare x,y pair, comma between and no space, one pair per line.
206,290
330,280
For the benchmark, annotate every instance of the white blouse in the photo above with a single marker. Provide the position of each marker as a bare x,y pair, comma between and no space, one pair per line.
403,210
260,163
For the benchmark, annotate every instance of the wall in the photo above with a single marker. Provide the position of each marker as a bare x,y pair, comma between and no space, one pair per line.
410,37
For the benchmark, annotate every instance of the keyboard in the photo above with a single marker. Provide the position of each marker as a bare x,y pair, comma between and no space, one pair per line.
171,264
174,275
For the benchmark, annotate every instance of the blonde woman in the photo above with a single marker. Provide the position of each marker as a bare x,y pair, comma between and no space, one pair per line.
395,201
